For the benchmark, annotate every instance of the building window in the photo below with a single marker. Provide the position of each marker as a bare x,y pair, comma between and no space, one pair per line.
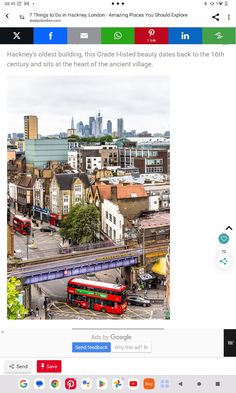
78,189
114,234
54,200
114,220
54,209
65,209
107,215
65,198
107,228
110,217
110,232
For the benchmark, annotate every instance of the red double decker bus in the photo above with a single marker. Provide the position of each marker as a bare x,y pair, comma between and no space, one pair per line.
99,296
22,225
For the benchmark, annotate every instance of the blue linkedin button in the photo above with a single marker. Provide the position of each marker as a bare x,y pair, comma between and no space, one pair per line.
91,347
47,35
185,35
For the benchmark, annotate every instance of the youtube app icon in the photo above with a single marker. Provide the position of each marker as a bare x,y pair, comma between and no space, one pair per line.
133,384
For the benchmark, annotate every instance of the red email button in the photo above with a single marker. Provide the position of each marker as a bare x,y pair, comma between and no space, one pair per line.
49,366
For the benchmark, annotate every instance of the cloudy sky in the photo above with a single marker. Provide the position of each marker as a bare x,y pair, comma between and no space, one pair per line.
142,101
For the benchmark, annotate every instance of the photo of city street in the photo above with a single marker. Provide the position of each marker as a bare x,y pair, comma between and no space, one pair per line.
88,214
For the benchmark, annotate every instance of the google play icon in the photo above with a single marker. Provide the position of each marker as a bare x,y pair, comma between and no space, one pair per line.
102,384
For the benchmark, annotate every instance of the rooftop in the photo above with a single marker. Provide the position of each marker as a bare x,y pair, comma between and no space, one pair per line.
120,191
65,180
153,177
95,283
154,220
26,181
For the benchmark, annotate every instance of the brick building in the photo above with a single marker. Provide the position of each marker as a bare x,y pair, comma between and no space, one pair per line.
119,206
66,190
25,184
156,164
147,160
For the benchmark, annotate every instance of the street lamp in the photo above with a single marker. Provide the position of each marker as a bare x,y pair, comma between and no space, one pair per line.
141,235
27,247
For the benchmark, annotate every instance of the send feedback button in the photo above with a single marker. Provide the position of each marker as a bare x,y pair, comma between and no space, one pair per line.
91,347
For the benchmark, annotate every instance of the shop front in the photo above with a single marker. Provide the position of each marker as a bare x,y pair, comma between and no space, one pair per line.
148,280
41,214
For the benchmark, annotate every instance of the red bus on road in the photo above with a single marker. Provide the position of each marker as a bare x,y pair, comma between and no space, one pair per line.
99,296
22,225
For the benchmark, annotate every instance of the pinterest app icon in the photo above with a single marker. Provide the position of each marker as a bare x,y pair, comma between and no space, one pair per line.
70,384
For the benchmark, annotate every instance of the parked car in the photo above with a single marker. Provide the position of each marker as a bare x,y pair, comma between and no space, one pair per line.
136,300
47,229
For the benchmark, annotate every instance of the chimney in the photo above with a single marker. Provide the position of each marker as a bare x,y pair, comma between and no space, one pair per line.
113,192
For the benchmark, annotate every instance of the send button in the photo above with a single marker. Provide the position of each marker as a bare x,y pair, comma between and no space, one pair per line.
91,347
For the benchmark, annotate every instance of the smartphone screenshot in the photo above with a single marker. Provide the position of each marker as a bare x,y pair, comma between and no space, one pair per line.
117,186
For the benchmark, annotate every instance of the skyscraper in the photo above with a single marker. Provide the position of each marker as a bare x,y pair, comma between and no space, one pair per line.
99,128
109,127
97,125
72,129
91,121
31,127
120,127
80,128
87,132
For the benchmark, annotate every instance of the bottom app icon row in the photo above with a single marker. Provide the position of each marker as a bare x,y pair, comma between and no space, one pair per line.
86,383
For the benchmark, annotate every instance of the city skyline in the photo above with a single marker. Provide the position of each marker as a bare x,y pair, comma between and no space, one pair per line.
143,102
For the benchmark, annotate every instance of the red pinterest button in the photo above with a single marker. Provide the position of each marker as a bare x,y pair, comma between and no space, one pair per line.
49,366
151,35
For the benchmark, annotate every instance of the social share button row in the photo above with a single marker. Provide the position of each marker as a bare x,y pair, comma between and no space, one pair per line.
118,35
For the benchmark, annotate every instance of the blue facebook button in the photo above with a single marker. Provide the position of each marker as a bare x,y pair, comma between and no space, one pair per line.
182,35
91,347
52,36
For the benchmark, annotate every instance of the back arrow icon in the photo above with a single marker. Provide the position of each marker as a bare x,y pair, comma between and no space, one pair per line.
7,16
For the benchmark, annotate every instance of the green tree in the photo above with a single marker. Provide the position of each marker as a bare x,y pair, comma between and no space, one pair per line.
82,224
15,310
91,139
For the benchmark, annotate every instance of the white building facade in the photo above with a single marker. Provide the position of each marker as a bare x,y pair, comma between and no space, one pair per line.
112,220
73,159
12,190
38,193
